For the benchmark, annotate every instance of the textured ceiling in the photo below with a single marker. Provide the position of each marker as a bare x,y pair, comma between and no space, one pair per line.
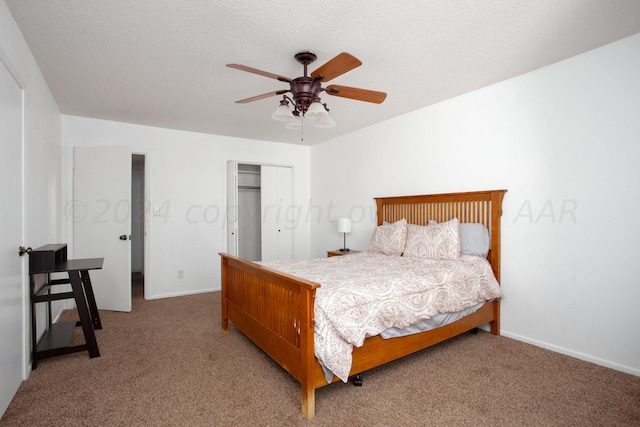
162,62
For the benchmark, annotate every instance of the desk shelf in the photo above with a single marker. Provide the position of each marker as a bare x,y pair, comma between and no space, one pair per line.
57,338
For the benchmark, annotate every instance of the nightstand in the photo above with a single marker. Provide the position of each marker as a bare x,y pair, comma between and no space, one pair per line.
340,253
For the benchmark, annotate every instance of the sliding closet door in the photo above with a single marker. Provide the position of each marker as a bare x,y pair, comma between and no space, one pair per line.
276,201
232,208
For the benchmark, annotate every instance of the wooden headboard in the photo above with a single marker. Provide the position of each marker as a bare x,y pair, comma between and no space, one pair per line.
484,207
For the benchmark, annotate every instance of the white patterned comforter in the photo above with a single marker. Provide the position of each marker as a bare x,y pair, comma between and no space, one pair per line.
363,294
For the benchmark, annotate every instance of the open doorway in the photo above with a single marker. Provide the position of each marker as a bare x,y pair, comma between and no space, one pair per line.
137,225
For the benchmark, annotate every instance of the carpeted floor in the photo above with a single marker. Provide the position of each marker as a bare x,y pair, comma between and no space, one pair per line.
167,363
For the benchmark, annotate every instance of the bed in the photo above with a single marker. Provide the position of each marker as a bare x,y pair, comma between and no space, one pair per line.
276,310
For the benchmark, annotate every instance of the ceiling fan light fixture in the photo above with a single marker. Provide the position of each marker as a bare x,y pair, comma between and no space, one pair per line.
316,111
296,123
325,122
283,112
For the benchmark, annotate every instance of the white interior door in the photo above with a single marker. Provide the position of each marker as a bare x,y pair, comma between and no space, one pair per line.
277,222
14,328
102,220
285,219
269,212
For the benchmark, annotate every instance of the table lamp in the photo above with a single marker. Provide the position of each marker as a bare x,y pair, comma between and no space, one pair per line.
344,226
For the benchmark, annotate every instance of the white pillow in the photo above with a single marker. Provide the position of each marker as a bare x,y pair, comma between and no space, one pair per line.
389,239
437,241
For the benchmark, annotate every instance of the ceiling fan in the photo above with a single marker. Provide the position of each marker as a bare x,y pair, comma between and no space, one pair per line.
305,91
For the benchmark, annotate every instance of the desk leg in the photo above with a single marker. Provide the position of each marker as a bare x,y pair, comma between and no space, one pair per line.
34,338
83,312
91,299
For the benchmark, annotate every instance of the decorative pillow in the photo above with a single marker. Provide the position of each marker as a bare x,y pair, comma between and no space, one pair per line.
389,239
437,241
474,238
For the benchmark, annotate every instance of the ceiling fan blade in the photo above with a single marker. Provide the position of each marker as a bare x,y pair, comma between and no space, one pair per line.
259,72
355,93
263,96
337,66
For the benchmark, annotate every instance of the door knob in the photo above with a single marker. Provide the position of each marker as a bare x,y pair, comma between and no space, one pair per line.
123,237
22,250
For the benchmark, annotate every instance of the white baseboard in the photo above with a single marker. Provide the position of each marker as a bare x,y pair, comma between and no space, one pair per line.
181,294
572,353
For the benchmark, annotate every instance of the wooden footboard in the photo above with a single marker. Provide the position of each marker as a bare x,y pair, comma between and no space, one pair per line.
276,310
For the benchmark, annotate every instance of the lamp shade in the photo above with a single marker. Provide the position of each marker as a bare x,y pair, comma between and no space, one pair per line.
326,122
316,111
344,225
296,123
283,114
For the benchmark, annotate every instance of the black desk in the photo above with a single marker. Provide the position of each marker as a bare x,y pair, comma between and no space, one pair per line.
57,337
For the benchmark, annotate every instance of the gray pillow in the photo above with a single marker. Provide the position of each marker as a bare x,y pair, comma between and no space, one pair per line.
474,239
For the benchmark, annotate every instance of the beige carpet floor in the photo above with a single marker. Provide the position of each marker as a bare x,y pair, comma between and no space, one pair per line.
167,363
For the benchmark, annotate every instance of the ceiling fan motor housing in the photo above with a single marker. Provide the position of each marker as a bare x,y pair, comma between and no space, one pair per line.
305,90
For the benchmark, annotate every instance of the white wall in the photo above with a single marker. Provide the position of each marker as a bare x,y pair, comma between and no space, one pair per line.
186,179
565,141
41,144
